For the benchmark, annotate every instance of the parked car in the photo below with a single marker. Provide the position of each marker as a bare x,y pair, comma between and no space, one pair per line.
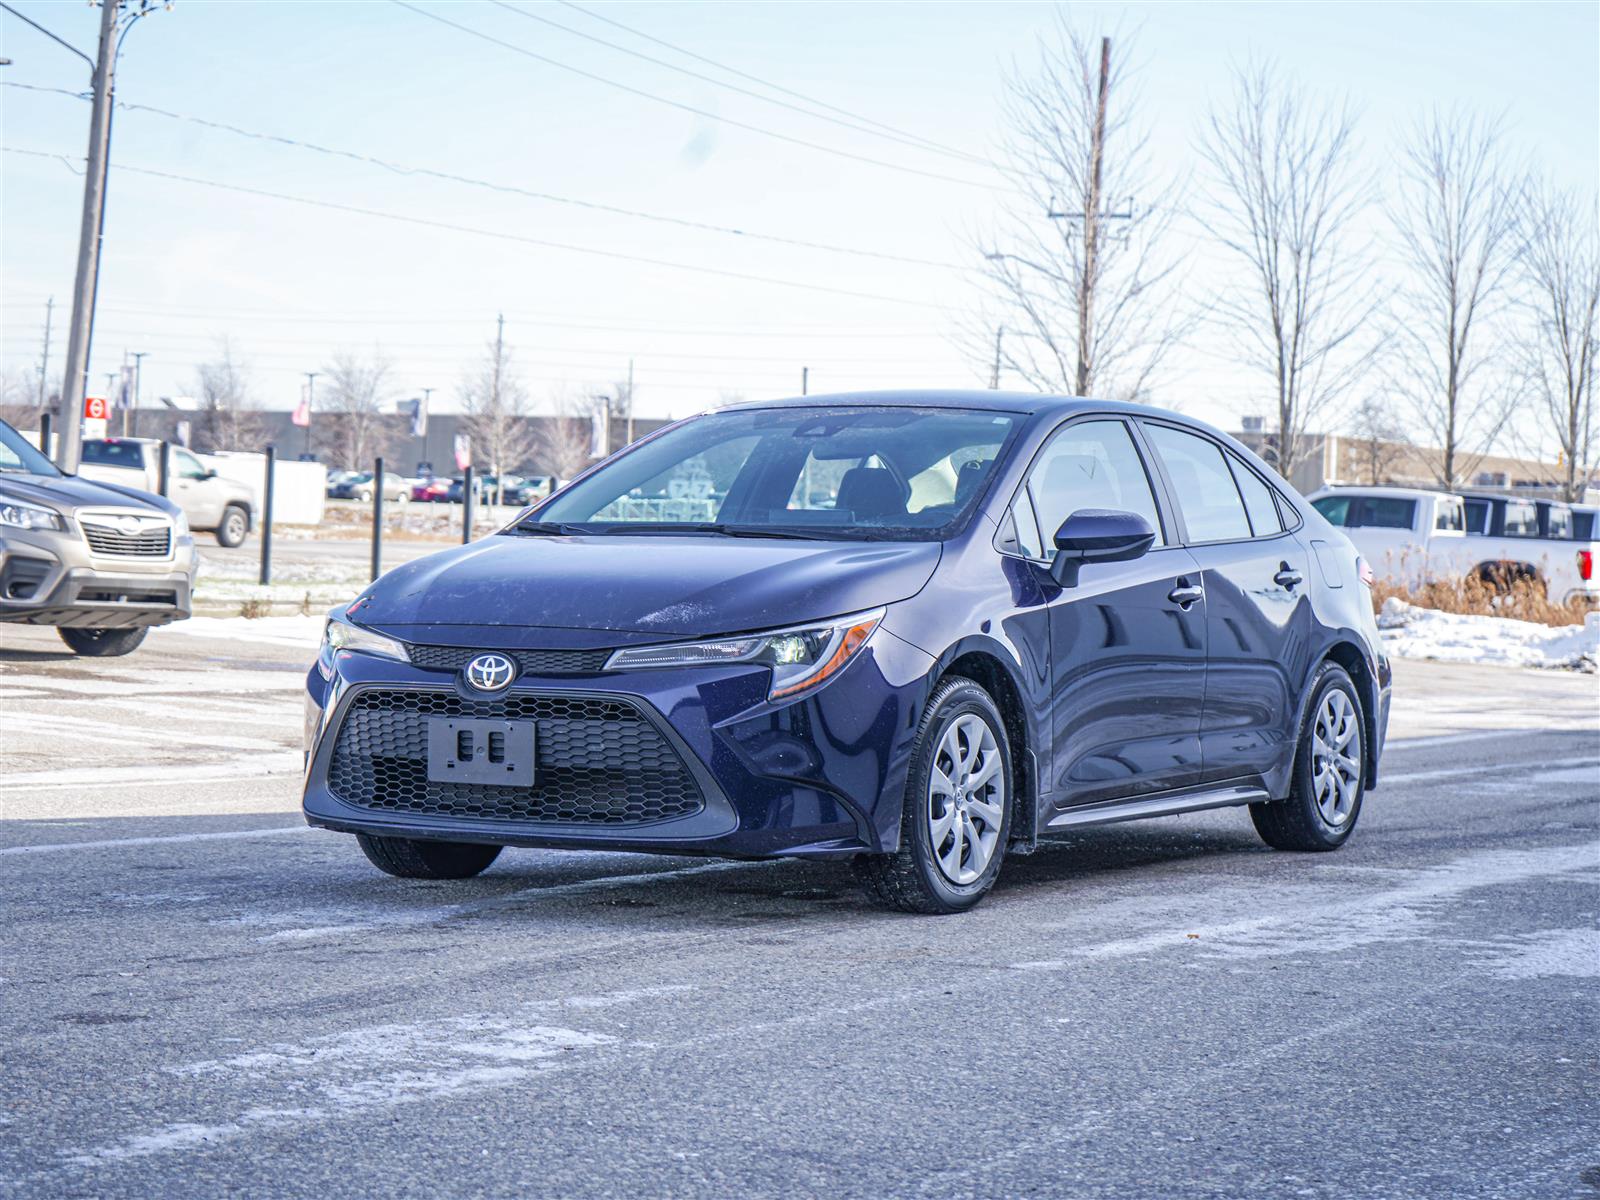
504,489
1413,535
359,486
335,478
1008,617
100,562
224,507
431,491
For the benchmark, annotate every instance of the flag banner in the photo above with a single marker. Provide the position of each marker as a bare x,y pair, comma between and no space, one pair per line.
463,452
184,431
417,409
302,411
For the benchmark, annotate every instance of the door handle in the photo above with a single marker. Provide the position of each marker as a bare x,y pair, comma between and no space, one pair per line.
1287,577
1186,594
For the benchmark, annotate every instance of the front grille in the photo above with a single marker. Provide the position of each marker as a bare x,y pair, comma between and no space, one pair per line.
155,542
598,761
529,662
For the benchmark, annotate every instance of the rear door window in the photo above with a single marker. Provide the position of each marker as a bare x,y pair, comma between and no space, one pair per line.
1335,510
1093,464
114,454
1210,502
1386,512
1477,516
1522,519
1258,503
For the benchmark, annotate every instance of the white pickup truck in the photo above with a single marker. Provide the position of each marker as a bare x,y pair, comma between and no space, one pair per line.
225,507
1412,536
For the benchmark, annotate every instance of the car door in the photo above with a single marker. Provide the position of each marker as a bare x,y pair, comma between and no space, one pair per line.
196,491
1259,620
1127,641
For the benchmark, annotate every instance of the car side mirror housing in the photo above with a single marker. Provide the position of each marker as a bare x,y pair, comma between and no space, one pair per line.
1098,535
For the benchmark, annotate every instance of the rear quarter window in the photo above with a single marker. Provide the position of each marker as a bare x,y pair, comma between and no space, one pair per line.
114,454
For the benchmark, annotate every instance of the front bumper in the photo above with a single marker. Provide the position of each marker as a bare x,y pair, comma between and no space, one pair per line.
691,760
51,578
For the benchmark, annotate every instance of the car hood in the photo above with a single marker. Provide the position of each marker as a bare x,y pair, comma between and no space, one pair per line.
651,587
68,492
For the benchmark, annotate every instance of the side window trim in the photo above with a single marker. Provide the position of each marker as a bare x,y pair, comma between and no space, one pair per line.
1172,492
1237,464
1166,512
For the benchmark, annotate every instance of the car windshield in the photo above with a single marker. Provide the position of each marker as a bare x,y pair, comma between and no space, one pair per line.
17,454
848,472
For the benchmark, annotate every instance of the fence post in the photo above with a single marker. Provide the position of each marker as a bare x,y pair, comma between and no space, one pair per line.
466,507
266,517
377,517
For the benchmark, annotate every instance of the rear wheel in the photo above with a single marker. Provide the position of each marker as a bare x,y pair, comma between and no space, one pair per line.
420,858
957,813
103,643
1329,772
235,525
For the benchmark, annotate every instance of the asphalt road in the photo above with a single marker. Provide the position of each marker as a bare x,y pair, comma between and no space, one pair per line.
200,997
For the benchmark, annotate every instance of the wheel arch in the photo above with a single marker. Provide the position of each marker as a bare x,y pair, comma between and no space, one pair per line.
988,668
1348,654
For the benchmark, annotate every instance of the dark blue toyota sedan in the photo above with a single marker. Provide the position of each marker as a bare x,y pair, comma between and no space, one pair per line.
917,630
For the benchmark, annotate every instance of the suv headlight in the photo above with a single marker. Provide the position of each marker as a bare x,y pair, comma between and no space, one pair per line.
28,516
801,658
339,634
180,523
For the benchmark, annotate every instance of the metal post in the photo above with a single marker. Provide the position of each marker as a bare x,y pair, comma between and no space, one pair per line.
266,517
377,517
805,380
44,433
311,383
138,379
466,507
164,473
76,380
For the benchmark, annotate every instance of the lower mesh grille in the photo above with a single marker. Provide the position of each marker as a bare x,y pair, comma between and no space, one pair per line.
598,761
531,662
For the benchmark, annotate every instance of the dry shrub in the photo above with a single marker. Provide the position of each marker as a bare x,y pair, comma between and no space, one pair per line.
1519,599
256,606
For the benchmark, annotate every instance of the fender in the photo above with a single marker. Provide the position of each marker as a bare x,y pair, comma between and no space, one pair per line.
1369,689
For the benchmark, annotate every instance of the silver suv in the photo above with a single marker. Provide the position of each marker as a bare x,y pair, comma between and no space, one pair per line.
100,562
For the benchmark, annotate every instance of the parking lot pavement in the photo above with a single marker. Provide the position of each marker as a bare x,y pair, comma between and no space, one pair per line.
201,996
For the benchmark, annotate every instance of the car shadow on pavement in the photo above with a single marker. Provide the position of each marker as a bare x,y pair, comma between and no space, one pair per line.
12,654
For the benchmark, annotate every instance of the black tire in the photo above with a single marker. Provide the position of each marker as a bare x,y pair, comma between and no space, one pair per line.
365,497
418,858
911,879
234,526
1299,823
103,643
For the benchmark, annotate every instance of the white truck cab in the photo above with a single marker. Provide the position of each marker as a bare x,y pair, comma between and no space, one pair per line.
209,501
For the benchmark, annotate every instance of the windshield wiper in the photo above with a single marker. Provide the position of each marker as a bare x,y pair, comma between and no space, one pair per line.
546,529
721,530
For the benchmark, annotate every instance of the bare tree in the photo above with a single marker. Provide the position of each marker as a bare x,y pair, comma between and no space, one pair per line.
19,405
494,404
1282,198
1455,215
226,419
354,396
563,439
1076,277
1560,260
1380,440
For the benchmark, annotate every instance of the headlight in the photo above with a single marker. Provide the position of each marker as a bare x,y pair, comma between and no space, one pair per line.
28,516
801,658
181,524
339,634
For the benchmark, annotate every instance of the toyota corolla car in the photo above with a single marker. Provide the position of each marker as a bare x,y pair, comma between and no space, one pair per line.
916,630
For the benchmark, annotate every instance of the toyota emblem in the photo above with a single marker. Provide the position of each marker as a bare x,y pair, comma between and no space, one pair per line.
491,672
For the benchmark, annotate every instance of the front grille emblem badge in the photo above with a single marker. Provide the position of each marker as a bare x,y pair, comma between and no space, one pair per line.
490,672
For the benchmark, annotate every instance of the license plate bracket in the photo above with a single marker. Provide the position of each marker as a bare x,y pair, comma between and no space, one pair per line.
480,750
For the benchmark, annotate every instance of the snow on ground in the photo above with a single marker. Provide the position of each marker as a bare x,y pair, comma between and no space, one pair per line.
272,631
1413,632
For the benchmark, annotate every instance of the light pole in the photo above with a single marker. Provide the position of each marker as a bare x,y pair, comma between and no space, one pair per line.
311,382
138,357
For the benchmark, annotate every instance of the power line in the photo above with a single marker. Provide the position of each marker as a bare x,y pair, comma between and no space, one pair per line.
499,235
767,83
513,189
892,135
689,108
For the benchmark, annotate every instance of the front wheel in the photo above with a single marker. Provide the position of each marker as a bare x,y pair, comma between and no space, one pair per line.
957,813
103,643
420,858
233,528
1329,778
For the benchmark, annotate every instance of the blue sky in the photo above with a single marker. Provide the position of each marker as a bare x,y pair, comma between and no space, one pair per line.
186,264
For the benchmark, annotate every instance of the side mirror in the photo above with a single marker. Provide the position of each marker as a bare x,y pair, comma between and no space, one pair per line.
1098,535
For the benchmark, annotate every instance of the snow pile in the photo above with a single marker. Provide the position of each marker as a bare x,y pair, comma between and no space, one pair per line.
270,631
1413,632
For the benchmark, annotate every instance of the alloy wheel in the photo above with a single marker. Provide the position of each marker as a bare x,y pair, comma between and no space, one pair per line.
966,799
1336,757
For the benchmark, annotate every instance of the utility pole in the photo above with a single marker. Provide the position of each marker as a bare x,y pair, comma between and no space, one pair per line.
994,375
1091,227
311,382
86,282
630,402
125,398
138,357
44,358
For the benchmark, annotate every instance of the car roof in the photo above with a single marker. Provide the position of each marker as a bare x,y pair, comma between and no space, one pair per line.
1356,489
1022,403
